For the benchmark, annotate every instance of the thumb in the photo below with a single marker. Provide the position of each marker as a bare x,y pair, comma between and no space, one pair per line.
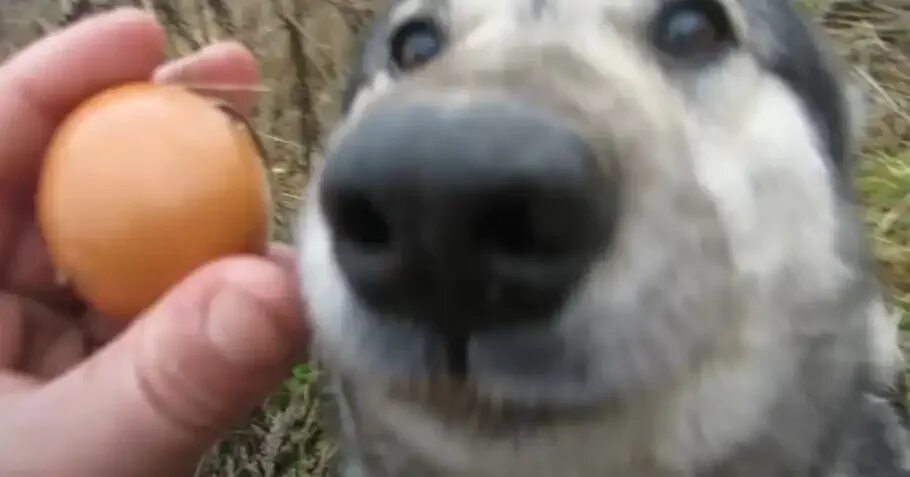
153,401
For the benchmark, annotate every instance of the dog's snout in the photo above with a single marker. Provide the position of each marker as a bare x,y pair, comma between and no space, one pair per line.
466,217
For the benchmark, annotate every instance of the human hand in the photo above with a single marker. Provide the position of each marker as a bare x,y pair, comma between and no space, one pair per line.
153,399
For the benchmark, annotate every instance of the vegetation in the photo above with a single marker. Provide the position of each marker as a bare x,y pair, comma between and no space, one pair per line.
303,47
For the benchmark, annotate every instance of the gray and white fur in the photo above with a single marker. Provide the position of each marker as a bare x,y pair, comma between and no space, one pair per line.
731,323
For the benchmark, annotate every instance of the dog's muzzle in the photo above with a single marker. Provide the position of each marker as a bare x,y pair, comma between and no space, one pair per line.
465,217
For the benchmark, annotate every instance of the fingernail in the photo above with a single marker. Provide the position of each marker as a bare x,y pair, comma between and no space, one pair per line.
178,70
170,71
245,332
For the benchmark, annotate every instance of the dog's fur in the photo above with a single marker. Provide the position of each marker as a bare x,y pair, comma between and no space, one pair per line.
733,328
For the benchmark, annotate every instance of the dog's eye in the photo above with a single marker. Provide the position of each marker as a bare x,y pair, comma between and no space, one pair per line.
415,43
693,29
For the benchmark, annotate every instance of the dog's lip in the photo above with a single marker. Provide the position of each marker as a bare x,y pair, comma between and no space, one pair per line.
459,401
487,394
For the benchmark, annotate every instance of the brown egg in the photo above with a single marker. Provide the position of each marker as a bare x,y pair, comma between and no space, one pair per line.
141,185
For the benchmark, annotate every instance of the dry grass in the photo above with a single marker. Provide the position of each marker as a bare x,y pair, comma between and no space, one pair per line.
874,37
303,47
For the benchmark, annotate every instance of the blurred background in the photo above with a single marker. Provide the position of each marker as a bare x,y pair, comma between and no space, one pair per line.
303,47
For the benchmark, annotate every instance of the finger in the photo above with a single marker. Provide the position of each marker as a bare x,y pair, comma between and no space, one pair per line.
30,271
47,80
101,329
46,342
284,255
12,333
14,384
186,372
16,351
226,70
56,345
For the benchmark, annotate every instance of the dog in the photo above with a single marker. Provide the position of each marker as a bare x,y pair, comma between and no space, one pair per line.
599,238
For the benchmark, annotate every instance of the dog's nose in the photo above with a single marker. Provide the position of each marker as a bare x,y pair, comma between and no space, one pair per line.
465,217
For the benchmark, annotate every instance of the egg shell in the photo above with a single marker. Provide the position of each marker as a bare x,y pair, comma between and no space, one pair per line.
141,185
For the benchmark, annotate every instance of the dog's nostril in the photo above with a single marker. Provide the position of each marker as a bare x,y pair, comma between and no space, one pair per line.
513,226
360,222
457,354
503,228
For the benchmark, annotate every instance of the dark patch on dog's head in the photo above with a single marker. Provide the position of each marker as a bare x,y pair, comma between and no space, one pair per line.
538,6
798,60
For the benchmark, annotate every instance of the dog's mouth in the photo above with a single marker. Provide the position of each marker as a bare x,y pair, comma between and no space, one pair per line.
496,383
459,402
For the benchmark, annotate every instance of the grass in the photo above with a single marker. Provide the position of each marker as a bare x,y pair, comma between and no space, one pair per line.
284,437
874,38
303,47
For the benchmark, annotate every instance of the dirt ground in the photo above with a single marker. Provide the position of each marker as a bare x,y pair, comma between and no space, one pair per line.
303,47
